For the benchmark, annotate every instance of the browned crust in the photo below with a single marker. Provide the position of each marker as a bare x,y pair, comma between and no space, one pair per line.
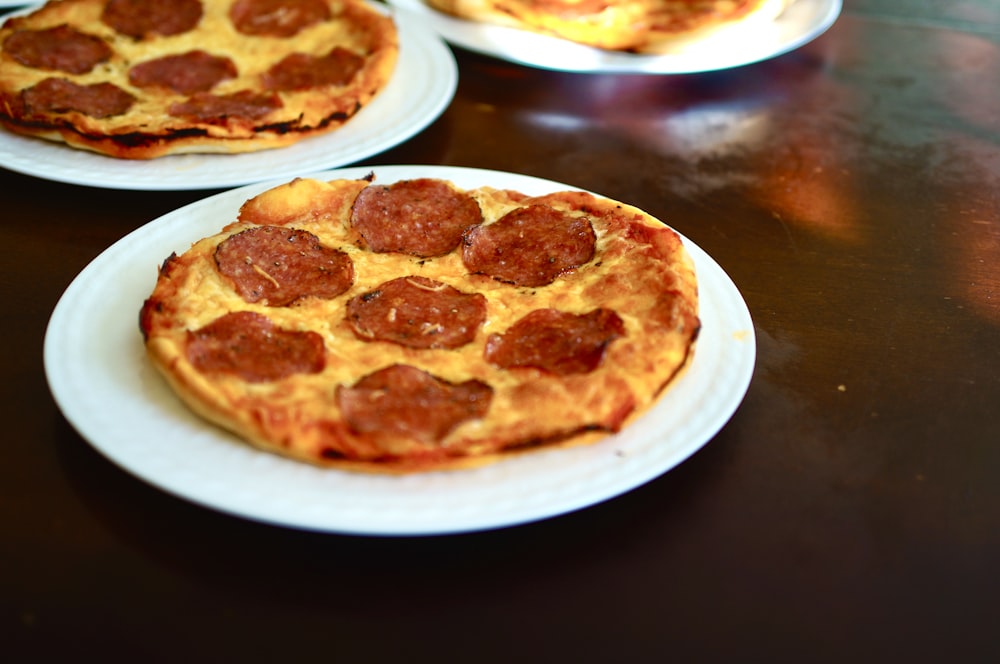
641,271
147,131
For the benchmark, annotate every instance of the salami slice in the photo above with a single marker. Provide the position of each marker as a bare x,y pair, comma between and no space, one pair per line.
529,246
418,313
421,217
245,104
144,18
61,48
277,266
300,71
186,73
277,18
252,347
554,341
406,401
58,95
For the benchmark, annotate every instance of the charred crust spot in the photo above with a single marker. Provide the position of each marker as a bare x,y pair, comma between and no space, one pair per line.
168,263
150,307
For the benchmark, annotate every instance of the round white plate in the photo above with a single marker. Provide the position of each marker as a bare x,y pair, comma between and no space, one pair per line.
102,381
799,24
420,89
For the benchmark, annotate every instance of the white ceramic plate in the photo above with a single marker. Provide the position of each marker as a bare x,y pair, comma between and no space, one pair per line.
421,88
102,381
799,24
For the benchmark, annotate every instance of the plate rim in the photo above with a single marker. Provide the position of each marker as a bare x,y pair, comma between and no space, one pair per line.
565,498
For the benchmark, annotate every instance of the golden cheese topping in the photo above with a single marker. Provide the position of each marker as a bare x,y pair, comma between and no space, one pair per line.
158,78
639,26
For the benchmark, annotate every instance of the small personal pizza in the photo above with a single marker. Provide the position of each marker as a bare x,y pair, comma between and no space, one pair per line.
639,26
140,79
416,325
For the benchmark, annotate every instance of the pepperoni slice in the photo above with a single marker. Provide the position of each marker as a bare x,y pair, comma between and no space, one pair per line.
61,48
418,313
245,104
144,18
277,265
554,341
406,401
251,346
529,246
300,71
186,73
57,95
422,217
277,18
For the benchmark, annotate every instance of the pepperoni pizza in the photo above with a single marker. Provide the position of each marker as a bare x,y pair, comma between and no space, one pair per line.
638,26
415,325
141,79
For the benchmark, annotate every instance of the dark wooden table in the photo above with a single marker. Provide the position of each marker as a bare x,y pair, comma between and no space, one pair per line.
849,511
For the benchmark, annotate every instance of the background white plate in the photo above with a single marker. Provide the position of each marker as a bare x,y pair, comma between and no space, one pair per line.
102,381
420,89
799,24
